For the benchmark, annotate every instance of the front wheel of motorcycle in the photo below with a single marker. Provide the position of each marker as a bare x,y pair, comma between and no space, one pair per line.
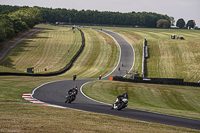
66,100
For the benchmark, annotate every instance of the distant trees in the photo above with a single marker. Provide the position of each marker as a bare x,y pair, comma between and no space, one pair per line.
180,23
172,21
143,19
163,23
6,9
190,24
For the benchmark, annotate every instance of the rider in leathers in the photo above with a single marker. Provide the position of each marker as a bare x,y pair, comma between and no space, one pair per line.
75,89
71,91
121,97
125,95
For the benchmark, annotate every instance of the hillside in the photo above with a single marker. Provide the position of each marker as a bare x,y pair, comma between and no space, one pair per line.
168,58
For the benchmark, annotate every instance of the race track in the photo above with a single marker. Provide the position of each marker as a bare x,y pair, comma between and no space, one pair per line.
54,93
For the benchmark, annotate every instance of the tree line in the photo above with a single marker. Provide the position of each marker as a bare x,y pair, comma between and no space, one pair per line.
143,19
181,23
12,23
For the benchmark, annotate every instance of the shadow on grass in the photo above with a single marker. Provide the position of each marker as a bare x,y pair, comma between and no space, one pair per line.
22,47
18,50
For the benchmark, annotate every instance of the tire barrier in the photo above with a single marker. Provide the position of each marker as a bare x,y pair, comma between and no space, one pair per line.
61,71
144,61
166,81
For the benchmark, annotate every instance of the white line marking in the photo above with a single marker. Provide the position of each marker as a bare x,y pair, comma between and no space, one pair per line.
89,97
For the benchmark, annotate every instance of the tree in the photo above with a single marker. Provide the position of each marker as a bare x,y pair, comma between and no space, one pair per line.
172,21
190,24
180,23
6,28
19,24
17,21
35,14
2,31
163,23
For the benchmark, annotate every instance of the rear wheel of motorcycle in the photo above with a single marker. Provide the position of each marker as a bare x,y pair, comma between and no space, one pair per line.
112,106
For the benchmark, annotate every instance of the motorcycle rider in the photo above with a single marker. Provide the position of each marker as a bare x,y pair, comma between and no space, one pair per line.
120,98
75,89
125,95
71,91
74,77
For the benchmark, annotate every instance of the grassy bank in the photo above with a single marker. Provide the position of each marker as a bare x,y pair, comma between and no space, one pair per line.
174,100
52,48
99,57
17,117
168,58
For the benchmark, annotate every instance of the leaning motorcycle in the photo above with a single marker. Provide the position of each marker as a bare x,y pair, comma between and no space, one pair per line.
70,97
118,105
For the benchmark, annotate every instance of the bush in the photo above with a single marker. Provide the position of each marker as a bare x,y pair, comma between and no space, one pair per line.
163,23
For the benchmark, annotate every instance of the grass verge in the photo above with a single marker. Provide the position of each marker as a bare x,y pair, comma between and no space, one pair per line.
16,117
174,100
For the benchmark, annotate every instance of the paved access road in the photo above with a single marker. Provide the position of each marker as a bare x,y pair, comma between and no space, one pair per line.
54,93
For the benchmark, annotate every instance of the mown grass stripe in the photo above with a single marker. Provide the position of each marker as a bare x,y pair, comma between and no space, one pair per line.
168,58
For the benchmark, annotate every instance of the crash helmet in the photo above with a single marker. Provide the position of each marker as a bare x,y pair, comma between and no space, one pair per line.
125,92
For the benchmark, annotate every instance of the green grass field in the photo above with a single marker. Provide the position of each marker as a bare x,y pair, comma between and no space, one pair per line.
168,58
17,117
99,57
174,100
94,60
46,49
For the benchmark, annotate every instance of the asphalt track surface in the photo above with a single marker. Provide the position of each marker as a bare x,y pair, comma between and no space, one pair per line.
54,93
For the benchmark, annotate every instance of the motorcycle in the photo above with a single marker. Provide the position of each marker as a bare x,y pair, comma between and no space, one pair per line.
70,97
120,104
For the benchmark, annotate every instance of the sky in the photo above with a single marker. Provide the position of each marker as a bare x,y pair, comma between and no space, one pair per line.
186,9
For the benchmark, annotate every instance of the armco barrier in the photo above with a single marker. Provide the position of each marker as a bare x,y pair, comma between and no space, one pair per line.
67,67
166,81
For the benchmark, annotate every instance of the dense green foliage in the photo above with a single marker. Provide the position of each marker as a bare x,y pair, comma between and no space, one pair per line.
143,19
163,23
190,24
18,21
180,23
95,17
6,9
